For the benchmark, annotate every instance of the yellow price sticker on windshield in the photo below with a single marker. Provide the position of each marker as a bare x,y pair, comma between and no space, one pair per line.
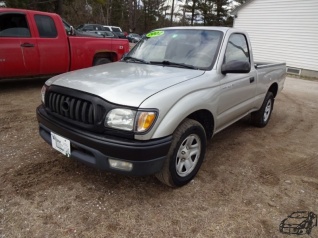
155,33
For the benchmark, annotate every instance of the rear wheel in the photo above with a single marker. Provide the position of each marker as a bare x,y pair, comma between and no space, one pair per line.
261,117
185,155
99,61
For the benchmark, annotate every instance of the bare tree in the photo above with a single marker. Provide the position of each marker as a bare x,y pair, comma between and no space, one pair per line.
192,7
59,7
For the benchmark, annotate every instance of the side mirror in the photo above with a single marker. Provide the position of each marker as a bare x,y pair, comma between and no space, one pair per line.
234,66
72,31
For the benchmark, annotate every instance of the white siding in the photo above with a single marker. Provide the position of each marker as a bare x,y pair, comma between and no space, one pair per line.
282,31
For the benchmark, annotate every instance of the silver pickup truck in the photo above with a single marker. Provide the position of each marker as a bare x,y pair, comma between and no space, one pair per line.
153,112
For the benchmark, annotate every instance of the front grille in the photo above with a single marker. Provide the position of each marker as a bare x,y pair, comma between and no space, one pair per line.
80,110
71,107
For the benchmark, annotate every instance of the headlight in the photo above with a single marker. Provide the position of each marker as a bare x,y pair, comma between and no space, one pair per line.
130,120
43,91
121,119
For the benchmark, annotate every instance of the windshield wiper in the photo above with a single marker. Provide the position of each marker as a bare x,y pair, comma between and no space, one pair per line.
169,63
135,59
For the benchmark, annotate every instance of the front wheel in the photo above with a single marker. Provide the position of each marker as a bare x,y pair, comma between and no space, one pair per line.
261,117
185,155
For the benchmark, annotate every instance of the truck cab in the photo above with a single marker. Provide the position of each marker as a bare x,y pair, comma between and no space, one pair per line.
34,43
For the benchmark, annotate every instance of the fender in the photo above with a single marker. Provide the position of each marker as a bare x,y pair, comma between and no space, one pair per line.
172,116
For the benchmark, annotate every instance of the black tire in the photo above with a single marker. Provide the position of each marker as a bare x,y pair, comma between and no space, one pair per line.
261,117
99,61
188,138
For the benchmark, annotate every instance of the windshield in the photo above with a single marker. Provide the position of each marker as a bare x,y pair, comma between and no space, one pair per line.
175,47
116,29
67,26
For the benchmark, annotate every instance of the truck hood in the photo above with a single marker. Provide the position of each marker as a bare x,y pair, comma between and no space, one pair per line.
124,83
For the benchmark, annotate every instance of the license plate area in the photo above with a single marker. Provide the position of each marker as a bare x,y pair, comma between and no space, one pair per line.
61,144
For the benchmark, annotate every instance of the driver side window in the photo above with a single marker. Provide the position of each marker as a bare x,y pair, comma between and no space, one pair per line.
237,49
14,25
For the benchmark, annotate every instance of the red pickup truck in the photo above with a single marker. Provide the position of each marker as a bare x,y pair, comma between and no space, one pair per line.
34,43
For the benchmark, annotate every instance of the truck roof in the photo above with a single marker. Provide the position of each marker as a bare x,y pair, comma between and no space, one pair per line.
25,10
218,28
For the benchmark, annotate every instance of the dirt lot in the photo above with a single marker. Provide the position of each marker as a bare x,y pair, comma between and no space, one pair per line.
250,181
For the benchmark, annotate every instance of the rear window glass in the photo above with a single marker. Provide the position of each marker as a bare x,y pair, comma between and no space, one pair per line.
46,26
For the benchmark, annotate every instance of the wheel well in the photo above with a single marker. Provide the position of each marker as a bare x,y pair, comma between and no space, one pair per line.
108,55
273,88
206,119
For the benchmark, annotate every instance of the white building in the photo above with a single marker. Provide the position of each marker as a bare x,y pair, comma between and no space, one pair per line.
282,31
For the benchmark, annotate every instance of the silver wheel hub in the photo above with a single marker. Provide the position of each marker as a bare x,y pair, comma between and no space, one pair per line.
267,111
188,155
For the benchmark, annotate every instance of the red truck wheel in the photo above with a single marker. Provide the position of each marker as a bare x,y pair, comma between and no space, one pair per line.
99,61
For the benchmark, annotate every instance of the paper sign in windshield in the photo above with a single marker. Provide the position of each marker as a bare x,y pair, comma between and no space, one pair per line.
155,33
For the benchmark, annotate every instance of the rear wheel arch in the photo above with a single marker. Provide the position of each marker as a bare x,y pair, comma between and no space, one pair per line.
104,57
273,89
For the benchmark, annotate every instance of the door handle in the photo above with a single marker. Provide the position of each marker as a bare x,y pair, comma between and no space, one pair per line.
252,79
27,45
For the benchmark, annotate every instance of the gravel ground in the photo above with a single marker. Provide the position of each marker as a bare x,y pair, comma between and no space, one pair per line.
249,182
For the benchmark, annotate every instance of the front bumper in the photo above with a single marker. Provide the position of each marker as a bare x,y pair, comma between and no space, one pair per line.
147,157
